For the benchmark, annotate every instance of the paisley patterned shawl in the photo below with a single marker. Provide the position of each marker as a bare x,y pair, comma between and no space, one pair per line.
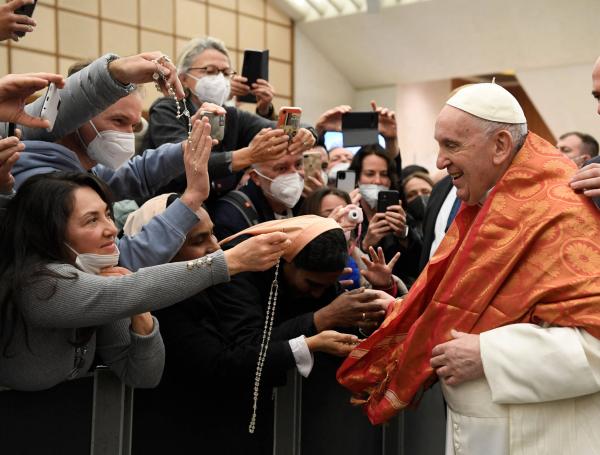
529,254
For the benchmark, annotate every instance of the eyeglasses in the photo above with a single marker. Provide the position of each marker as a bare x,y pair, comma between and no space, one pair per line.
212,70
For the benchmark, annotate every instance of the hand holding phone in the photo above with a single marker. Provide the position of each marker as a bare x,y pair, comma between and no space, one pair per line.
51,105
289,120
312,164
23,23
386,198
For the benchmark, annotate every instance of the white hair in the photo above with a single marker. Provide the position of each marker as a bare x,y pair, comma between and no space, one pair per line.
518,131
194,48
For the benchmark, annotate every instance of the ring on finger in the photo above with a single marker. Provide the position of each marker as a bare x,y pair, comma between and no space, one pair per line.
364,316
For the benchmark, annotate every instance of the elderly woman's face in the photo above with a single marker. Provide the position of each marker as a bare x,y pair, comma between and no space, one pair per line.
90,228
209,62
466,153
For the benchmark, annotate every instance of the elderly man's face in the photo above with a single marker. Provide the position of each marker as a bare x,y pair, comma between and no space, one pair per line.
466,153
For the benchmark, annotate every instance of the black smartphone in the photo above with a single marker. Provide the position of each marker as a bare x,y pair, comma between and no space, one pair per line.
385,198
255,66
11,130
25,10
360,128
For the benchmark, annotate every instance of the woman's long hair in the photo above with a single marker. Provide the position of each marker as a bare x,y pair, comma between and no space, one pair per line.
312,204
32,235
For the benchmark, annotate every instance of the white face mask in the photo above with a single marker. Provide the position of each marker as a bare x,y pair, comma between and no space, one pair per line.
369,193
94,263
110,148
286,188
212,89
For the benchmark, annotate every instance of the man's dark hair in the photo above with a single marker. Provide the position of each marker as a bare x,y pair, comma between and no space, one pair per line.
589,145
327,252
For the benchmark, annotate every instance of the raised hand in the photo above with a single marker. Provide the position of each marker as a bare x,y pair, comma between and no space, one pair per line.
302,141
387,121
14,91
378,273
196,151
331,120
140,69
11,23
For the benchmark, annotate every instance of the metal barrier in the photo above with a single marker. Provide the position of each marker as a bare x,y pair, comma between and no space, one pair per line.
108,416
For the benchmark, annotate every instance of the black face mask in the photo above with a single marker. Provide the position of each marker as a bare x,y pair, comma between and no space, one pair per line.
417,206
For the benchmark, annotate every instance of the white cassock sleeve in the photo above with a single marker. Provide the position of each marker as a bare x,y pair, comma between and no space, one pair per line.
526,363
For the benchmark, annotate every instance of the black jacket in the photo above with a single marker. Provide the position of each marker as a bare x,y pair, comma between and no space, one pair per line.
204,402
436,199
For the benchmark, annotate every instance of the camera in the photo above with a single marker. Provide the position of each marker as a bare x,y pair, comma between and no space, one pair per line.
354,215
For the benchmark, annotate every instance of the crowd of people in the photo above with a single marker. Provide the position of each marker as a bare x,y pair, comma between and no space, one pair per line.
202,271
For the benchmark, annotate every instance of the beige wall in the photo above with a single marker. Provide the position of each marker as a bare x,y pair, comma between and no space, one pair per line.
71,30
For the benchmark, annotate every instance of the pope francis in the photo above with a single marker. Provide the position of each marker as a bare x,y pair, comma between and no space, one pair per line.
507,312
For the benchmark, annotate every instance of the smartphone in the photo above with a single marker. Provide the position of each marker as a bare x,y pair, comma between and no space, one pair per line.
255,66
289,120
11,130
217,124
359,128
386,198
345,181
25,10
312,164
51,105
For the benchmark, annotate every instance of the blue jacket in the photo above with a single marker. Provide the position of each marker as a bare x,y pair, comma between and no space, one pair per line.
162,237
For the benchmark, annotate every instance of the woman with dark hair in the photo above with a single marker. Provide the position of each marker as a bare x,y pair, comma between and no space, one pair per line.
57,311
369,271
390,230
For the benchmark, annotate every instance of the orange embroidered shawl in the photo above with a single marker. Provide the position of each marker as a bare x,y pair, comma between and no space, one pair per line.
529,254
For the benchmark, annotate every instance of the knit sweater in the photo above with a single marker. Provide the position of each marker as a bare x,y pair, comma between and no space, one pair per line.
53,308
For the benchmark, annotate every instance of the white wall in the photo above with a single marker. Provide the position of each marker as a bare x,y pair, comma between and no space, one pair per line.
318,84
417,107
563,96
383,96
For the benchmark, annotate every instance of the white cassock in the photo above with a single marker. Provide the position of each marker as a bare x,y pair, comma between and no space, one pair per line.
540,395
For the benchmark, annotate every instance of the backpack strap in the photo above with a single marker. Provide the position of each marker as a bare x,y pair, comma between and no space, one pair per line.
244,205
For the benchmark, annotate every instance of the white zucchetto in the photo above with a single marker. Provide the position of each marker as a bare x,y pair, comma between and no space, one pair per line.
488,101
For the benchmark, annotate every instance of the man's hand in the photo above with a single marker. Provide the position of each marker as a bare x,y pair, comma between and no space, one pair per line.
352,308
302,141
331,120
458,360
332,342
10,148
587,179
268,144
139,69
14,91
387,121
11,22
